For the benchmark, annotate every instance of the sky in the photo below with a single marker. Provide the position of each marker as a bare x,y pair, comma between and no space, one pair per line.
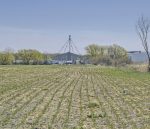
45,24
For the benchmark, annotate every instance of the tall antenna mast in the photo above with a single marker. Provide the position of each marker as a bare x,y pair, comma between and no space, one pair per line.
70,47
69,43
69,54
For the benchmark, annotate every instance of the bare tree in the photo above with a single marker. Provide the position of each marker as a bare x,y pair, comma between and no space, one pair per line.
143,27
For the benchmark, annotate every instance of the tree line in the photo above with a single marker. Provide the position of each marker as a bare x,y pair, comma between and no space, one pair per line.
95,54
108,55
24,56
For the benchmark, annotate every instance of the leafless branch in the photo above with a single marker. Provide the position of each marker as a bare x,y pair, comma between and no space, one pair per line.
142,28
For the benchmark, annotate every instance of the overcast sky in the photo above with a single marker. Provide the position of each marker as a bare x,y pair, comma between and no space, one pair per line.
45,24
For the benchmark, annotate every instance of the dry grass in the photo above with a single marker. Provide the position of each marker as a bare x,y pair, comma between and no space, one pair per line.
138,67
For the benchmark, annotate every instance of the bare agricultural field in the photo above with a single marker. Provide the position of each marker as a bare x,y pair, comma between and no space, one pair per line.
73,97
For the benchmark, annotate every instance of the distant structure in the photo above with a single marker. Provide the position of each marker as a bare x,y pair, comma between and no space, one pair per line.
68,54
134,51
137,56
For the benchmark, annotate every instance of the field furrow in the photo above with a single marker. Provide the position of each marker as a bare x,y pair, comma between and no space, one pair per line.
73,97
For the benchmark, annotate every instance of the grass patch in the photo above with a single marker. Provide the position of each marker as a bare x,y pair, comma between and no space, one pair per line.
93,104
